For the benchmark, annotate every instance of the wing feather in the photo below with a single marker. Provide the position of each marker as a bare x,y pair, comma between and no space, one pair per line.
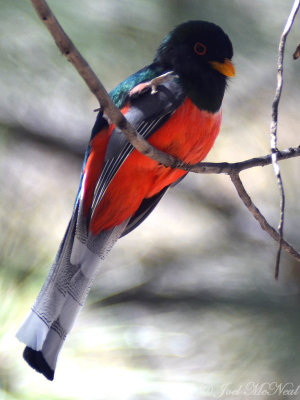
147,113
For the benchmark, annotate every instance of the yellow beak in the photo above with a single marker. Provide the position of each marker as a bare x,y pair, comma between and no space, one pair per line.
226,68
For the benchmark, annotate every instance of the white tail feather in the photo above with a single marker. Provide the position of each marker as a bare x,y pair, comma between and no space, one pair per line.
64,294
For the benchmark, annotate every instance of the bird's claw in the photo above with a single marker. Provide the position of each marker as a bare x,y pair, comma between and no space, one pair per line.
160,79
153,84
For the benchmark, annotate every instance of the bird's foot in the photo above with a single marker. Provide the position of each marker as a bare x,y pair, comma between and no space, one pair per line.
160,79
145,86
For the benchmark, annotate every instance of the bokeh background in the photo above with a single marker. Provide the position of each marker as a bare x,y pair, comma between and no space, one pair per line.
186,307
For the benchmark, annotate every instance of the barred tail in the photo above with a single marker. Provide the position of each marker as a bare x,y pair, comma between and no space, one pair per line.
63,295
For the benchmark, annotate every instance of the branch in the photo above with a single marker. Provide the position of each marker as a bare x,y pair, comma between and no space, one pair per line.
68,49
117,118
281,50
274,124
259,217
229,168
296,54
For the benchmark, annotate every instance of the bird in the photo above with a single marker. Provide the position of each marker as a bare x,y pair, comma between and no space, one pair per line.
175,104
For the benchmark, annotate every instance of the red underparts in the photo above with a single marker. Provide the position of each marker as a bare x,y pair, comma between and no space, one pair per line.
188,135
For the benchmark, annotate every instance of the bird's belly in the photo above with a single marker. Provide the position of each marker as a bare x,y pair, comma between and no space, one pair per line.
188,135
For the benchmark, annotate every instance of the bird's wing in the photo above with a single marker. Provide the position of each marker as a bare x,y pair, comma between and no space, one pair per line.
147,112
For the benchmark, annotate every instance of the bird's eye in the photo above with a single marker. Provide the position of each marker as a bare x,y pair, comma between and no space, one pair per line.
199,48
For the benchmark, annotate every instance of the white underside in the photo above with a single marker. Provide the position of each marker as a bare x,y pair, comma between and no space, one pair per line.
33,332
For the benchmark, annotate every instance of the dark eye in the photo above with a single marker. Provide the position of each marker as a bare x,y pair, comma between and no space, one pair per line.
199,48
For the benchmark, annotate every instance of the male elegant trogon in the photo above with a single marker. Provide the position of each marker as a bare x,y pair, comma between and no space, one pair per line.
174,103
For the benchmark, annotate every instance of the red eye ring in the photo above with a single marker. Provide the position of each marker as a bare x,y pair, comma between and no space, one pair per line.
199,48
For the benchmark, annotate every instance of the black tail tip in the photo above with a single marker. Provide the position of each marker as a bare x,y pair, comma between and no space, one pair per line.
36,360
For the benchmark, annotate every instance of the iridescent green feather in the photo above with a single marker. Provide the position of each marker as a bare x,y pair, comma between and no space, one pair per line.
120,92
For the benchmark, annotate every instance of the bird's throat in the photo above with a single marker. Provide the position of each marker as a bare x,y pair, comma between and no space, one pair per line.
207,94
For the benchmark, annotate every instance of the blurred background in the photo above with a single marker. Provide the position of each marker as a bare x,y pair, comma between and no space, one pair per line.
186,306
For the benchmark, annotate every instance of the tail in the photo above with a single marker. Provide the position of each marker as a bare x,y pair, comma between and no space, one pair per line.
64,292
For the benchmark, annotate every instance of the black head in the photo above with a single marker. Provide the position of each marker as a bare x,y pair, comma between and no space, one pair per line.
200,53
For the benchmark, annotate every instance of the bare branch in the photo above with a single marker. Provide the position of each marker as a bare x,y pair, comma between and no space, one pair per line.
296,54
259,217
274,125
229,168
116,117
68,49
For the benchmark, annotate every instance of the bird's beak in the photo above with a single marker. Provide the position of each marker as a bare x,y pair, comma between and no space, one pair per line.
226,68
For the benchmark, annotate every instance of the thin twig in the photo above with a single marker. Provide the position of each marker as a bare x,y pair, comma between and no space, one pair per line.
296,54
274,124
259,217
228,168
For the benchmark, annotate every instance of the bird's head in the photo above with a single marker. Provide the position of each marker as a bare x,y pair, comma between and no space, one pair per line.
200,53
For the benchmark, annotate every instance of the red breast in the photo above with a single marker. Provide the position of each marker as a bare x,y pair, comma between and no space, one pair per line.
188,135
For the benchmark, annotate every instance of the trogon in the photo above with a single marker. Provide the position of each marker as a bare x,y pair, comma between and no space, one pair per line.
175,104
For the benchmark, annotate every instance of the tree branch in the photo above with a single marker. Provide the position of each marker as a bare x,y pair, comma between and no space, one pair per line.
296,54
229,168
68,49
274,124
117,118
259,217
